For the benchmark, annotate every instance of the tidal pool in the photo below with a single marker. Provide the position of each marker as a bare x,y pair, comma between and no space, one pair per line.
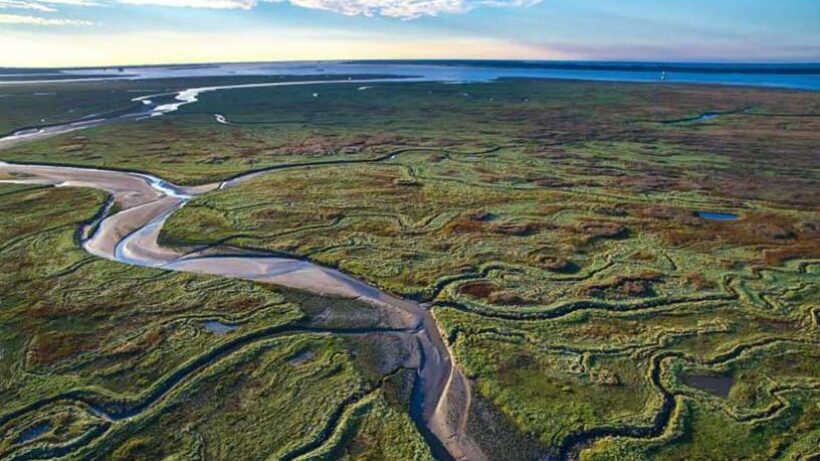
34,432
706,117
218,327
301,357
713,216
718,385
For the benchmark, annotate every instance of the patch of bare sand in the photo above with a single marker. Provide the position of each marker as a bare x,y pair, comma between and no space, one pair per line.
134,231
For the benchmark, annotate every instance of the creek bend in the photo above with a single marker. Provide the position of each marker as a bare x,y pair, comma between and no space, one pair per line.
441,394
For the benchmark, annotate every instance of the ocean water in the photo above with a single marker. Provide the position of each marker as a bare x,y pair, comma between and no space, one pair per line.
792,76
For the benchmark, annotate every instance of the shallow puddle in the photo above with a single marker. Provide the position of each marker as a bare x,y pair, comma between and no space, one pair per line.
718,385
218,327
713,216
301,357
33,432
704,117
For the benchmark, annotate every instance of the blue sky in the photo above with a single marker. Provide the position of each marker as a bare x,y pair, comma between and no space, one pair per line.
99,32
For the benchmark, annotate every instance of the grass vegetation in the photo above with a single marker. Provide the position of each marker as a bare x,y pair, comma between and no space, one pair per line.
90,347
552,226
32,104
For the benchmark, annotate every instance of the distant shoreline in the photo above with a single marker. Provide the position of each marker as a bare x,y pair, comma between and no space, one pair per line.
805,77
698,68
807,68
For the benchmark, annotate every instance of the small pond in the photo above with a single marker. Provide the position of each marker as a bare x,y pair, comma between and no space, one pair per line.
33,432
218,327
718,385
704,117
301,357
713,216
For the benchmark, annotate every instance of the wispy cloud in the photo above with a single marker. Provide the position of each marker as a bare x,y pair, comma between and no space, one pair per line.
46,6
404,9
38,21
25,5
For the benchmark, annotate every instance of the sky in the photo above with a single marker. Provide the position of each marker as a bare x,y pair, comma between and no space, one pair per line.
54,33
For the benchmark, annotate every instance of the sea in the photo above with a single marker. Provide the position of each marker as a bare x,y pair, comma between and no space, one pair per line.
788,76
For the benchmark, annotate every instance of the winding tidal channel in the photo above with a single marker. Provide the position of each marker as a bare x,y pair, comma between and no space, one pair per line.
441,396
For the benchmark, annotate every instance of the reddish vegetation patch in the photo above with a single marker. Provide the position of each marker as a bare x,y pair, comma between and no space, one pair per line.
605,329
315,144
699,282
810,229
625,286
556,263
753,229
785,190
517,229
649,182
462,226
772,231
403,182
52,347
146,342
481,290
491,293
642,255
809,249
506,298
604,230
436,158
665,213
550,210
475,221
240,305
547,181
271,215
776,324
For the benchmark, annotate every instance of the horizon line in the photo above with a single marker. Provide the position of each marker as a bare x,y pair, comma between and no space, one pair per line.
615,61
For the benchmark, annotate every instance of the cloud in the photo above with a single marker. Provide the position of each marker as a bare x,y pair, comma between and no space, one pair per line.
25,5
404,9
37,21
391,8
45,6
72,2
